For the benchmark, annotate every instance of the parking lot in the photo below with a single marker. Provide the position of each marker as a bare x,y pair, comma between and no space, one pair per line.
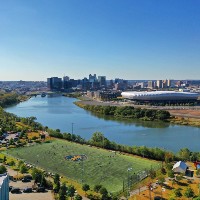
26,196
30,196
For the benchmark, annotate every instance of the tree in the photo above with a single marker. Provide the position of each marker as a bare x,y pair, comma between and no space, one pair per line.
37,175
23,169
57,183
189,193
179,177
11,163
97,188
161,180
152,173
198,172
169,157
85,187
57,187
103,191
20,163
56,178
78,197
170,174
97,138
4,159
71,191
63,192
177,192
2,169
11,141
43,181
184,154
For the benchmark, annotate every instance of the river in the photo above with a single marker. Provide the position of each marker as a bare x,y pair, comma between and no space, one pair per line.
60,112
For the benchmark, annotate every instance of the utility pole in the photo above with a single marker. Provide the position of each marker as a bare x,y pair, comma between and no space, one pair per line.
82,171
72,128
128,191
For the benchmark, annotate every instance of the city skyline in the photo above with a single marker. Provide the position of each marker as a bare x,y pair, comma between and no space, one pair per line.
133,40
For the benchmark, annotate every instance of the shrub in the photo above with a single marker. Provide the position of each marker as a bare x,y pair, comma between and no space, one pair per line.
3,169
11,163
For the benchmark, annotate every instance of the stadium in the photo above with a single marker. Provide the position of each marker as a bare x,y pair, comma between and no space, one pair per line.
161,96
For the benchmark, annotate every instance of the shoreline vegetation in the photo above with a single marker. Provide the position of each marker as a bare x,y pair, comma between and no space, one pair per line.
144,114
127,112
9,99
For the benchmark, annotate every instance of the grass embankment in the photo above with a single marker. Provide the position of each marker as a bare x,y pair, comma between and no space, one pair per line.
100,167
185,121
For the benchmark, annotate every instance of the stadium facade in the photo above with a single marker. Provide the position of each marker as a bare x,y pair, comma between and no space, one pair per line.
161,96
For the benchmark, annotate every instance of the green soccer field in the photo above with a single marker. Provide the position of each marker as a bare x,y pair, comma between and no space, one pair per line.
100,167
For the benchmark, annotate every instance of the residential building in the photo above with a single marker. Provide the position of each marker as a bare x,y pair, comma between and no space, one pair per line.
151,84
4,186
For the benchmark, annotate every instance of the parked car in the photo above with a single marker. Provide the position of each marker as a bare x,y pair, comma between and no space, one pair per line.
40,189
27,190
25,180
157,198
10,188
15,190
28,176
15,139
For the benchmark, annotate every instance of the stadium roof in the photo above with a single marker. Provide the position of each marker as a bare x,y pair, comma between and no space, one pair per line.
160,95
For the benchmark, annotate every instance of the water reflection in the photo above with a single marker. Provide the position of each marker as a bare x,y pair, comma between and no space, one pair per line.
136,122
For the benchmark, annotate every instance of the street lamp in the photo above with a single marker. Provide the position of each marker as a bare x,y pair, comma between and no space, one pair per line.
128,170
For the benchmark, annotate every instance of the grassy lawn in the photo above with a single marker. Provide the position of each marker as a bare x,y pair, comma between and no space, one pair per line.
100,167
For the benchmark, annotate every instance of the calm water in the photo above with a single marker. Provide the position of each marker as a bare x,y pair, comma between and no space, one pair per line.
60,112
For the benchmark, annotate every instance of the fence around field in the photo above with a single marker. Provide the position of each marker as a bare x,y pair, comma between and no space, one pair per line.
135,179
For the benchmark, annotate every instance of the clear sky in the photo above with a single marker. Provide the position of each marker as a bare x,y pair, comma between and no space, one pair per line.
130,39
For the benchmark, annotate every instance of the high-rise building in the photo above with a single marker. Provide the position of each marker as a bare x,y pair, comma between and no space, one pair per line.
49,83
66,78
168,83
54,83
151,84
92,78
164,84
159,83
102,81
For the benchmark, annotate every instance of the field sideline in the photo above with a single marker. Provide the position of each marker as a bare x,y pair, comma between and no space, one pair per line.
101,166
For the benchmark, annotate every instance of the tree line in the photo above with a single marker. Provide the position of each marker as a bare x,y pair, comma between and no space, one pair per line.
127,112
8,123
7,99
99,140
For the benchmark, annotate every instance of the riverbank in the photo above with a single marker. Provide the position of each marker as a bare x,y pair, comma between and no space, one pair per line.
189,116
10,99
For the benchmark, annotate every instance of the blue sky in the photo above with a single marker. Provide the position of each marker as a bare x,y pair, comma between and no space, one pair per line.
130,39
